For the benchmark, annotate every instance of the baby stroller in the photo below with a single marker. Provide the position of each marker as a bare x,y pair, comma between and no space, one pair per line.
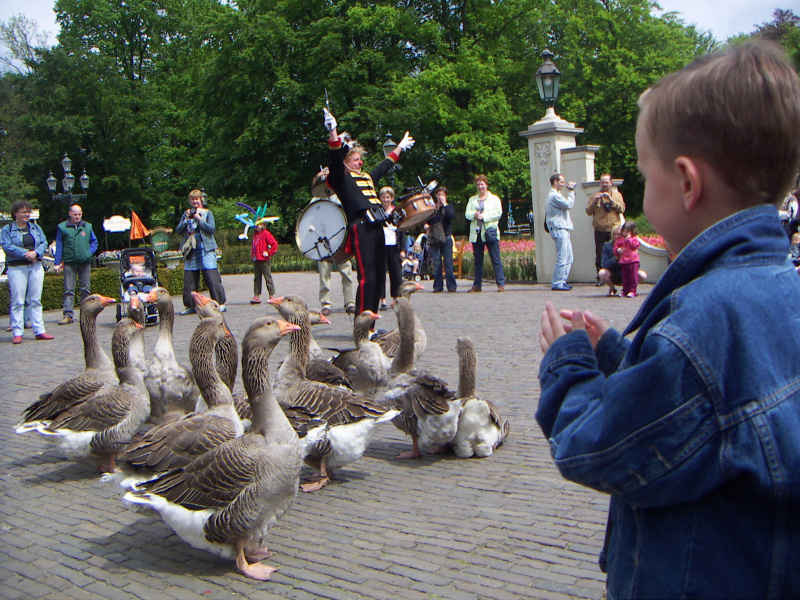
137,272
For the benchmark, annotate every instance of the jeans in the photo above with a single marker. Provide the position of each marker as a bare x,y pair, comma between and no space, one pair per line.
437,254
73,271
494,256
563,256
25,286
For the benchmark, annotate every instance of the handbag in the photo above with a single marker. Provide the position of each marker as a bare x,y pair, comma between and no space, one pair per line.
436,236
188,246
491,235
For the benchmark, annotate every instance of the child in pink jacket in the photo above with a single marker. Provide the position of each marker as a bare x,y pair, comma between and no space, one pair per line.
627,248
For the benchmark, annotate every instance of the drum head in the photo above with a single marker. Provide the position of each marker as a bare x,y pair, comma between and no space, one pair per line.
321,190
321,230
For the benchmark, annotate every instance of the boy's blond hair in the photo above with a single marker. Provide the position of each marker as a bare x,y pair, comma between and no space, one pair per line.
738,110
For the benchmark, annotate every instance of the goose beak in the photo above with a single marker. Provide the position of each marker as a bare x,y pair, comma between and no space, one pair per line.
134,301
200,300
419,286
151,296
227,331
138,325
105,300
325,320
287,327
373,315
275,300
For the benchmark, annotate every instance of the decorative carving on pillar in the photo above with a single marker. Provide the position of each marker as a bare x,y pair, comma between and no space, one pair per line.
542,153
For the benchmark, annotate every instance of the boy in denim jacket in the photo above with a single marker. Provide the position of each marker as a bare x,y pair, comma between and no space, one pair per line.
690,418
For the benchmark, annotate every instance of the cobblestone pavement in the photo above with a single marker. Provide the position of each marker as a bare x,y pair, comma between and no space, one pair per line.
503,527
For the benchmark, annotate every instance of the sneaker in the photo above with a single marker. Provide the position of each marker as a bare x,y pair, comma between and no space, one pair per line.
383,306
501,288
325,311
560,288
65,320
189,311
44,336
351,310
473,289
17,339
631,295
255,300
612,292
9,328
222,308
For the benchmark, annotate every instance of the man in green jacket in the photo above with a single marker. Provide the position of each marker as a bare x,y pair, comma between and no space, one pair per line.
75,245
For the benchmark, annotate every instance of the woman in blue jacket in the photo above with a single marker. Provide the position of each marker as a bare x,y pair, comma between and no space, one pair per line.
24,243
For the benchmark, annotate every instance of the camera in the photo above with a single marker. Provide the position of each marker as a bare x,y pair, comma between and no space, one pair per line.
607,206
193,211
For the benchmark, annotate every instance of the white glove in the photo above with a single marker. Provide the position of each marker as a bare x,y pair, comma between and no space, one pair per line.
406,143
330,120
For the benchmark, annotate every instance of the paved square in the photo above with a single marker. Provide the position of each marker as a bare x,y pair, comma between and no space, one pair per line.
503,527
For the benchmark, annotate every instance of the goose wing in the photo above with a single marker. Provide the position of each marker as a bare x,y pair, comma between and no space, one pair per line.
64,396
326,372
98,412
177,443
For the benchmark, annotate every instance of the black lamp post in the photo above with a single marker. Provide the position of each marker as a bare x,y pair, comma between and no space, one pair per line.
388,147
548,78
205,197
67,184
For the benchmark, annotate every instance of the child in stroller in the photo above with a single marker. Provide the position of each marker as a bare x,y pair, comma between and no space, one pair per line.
418,262
137,276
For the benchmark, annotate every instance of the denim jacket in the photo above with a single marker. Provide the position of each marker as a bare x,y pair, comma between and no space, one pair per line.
11,240
206,226
693,425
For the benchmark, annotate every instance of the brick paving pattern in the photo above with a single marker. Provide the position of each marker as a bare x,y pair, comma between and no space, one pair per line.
503,527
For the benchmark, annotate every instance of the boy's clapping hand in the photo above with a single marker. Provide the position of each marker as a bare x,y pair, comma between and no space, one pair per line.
555,324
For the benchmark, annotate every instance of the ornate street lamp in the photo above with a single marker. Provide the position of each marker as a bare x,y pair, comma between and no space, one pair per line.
388,147
548,78
205,197
67,183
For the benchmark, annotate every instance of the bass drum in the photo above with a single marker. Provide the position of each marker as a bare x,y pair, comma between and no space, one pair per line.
418,209
321,232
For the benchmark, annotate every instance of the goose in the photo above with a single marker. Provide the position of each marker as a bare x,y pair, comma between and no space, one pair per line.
317,369
390,341
98,372
351,418
481,429
226,354
176,443
366,365
429,410
173,391
316,317
101,426
225,501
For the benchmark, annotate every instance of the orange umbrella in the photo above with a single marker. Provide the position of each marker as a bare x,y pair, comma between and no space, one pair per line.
138,230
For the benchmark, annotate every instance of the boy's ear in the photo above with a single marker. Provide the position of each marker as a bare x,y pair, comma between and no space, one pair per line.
691,181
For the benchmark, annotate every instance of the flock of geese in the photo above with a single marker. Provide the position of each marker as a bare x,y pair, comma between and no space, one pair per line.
221,467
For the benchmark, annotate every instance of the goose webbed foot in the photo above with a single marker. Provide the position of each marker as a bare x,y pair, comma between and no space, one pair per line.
259,554
318,483
254,570
411,454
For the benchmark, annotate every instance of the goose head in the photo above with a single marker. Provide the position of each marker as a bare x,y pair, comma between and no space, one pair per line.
121,340
95,303
206,307
409,287
159,296
362,325
315,317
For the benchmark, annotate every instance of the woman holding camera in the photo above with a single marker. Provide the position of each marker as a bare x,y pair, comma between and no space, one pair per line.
199,252
605,208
